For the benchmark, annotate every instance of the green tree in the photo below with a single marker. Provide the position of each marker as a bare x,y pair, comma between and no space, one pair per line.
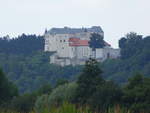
107,95
23,103
130,44
96,41
45,89
59,95
60,82
7,89
137,94
88,81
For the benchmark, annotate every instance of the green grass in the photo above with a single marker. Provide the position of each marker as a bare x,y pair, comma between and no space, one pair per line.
71,108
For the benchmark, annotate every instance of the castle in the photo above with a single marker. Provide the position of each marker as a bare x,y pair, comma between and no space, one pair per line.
70,46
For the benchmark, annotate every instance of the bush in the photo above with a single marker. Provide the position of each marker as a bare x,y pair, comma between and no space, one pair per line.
57,97
107,95
137,94
42,104
24,103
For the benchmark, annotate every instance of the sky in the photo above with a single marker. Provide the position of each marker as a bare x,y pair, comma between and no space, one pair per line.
116,17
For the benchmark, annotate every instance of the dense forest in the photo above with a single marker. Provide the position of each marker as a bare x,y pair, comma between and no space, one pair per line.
24,62
135,58
21,45
28,83
90,93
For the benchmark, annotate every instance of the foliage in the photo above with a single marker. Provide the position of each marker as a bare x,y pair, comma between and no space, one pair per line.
45,89
94,91
106,96
24,103
130,45
135,58
57,97
71,108
29,68
88,81
24,62
96,41
31,72
41,104
137,94
60,82
24,44
7,89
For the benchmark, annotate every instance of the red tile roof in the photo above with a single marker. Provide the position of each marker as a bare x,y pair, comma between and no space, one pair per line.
78,42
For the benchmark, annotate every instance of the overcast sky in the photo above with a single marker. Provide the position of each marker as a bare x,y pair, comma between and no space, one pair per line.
116,17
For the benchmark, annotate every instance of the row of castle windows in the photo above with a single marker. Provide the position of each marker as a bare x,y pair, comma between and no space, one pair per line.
62,40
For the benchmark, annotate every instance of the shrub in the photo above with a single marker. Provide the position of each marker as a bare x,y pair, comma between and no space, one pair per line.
57,97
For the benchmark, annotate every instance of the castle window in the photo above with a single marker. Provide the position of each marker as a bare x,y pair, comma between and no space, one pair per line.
108,55
60,40
64,40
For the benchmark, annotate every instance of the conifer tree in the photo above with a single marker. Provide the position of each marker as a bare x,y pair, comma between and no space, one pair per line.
87,82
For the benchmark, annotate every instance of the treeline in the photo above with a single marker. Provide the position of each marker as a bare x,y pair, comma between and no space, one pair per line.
90,91
38,85
135,58
26,64
24,44
31,72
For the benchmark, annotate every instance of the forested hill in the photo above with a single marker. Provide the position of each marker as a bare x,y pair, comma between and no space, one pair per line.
25,63
135,58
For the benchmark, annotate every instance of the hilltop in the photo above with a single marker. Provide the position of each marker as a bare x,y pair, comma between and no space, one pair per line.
25,63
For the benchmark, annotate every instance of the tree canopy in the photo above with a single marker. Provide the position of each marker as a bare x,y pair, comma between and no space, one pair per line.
135,58
7,89
88,81
96,41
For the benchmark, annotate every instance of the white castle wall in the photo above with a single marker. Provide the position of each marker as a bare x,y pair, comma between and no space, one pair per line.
66,55
60,43
105,53
83,52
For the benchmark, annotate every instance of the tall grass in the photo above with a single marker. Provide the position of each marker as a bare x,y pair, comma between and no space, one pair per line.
71,108
65,108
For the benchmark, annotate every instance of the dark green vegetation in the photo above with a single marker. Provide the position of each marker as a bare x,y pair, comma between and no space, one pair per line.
25,63
7,89
31,72
135,58
96,41
90,92
21,45
28,67
46,86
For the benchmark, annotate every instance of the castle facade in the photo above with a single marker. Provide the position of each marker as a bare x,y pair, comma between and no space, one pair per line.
70,46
